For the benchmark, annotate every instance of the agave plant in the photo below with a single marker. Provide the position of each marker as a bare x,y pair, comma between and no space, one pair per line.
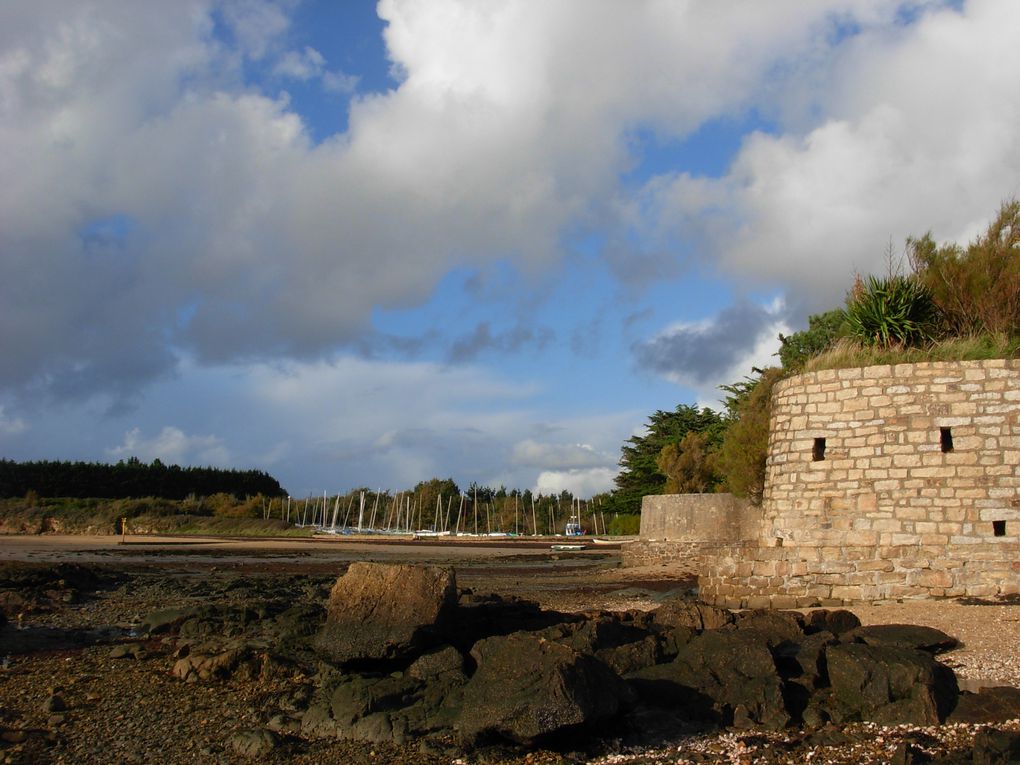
895,311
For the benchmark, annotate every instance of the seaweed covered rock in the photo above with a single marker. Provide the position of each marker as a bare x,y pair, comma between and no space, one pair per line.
527,688
729,677
888,685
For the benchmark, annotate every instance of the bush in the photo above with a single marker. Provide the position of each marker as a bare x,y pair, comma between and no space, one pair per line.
742,456
624,524
890,312
977,289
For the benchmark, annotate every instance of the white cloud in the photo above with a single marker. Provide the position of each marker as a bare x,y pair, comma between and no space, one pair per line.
915,133
510,127
580,483
172,446
257,25
301,65
532,453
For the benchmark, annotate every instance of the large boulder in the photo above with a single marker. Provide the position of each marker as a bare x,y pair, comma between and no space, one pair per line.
379,612
725,676
888,685
527,688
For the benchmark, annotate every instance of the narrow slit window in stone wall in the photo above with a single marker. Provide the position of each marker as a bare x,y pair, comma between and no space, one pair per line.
818,452
946,439
999,528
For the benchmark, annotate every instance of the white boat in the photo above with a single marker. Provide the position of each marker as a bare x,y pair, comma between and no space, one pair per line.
567,548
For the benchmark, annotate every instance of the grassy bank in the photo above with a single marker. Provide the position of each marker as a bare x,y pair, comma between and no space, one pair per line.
147,515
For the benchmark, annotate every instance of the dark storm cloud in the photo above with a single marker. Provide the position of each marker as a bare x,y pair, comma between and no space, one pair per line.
703,352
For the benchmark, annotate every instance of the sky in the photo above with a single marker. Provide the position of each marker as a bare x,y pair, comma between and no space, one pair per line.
367,244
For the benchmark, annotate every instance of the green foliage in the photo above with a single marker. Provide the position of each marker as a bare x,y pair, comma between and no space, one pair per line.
688,465
893,311
640,474
132,478
823,330
624,524
976,289
742,455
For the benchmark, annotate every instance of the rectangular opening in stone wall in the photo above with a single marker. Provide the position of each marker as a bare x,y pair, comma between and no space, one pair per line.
999,528
946,439
818,452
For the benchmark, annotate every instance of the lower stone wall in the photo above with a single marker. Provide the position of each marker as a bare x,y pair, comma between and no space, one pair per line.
681,555
700,517
749,576
680,530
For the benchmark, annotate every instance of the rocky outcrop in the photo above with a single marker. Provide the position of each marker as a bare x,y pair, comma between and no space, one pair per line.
398,655
378,612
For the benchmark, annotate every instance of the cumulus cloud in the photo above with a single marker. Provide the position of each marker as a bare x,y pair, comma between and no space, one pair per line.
715,351
580,483
911,131
532,453
172,446
309,64
508,129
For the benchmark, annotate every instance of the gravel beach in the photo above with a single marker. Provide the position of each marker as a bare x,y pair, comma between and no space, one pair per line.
80,684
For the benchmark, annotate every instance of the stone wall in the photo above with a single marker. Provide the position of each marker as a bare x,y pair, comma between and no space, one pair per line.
884,482
681,529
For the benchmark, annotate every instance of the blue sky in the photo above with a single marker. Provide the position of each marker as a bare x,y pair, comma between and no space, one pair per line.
368,244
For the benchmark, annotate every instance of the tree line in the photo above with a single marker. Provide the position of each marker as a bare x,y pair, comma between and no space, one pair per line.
130,478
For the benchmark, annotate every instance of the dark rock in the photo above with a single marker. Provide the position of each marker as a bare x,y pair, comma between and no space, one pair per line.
605,630
169,619
223,660
631,657
297,623
528,688
687,613
254,742
989,705
55,703
439,663
672,639
804,661
776,626
481,616
726,676
802,667
888,685
837,622
394,707
908,754
128,651
903,636
284,724
380,612
996,747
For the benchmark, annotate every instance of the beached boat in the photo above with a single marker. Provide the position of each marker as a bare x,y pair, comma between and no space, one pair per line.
567,548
